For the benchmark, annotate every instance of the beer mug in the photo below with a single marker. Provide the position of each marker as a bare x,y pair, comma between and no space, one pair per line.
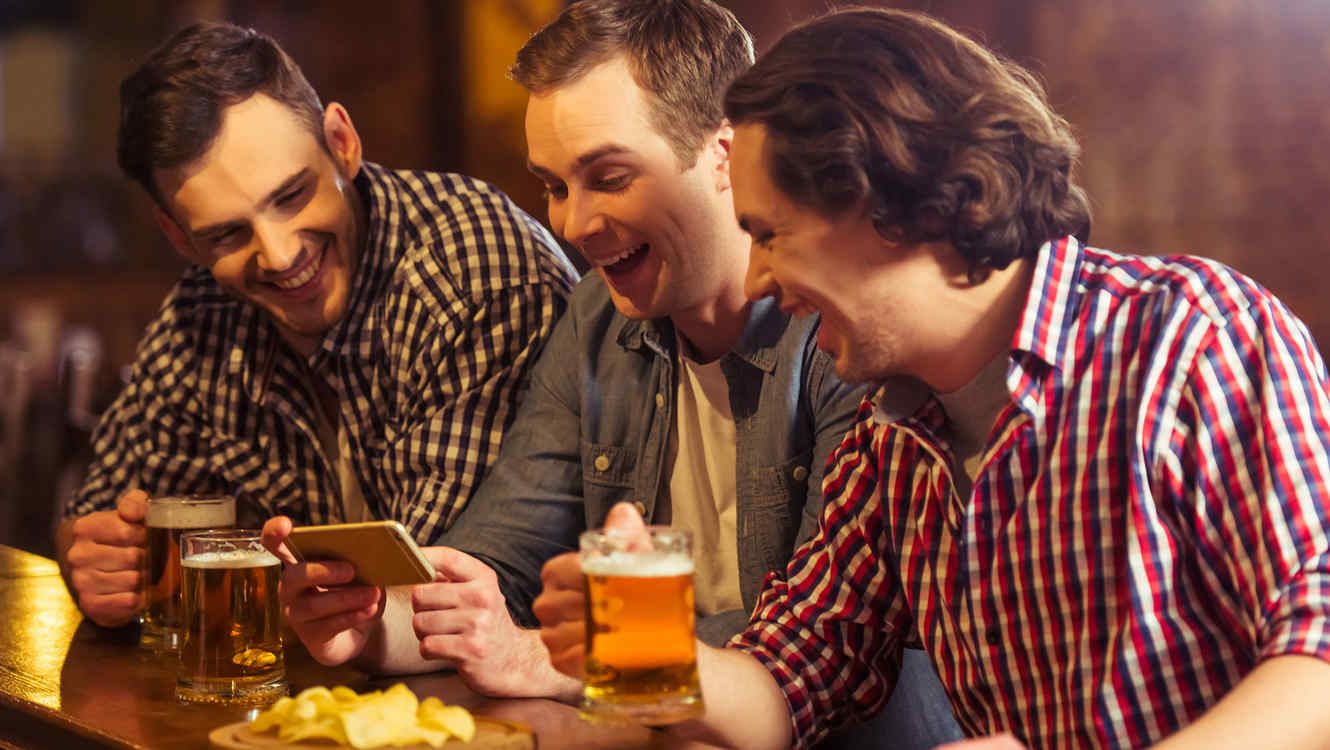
231,648
168,518
641,659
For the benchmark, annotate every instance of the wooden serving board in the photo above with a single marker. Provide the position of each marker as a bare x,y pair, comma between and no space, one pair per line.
491,734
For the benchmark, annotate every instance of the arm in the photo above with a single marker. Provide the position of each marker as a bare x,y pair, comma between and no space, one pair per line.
1290,691
1255,413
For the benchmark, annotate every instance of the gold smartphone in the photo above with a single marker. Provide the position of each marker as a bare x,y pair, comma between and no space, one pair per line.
382,553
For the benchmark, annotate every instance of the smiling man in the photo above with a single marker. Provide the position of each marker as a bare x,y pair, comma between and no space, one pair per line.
1110,525
663,385
349,342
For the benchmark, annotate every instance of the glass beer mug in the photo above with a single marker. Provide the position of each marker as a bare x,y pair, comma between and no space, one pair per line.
168,518
231,651
641,658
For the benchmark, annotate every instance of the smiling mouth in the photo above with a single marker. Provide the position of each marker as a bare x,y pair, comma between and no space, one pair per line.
311,270
627,260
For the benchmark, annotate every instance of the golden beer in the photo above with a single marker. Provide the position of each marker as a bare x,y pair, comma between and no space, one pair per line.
167,519
231,650
641,660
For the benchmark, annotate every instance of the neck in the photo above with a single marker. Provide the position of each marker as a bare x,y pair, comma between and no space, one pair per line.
983,319
712,327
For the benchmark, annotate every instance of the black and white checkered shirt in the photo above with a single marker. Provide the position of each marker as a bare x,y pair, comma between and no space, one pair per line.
455,294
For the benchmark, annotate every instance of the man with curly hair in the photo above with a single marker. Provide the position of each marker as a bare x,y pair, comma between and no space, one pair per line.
1111,525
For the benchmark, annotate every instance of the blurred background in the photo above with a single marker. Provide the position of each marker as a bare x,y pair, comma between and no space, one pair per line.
1204,124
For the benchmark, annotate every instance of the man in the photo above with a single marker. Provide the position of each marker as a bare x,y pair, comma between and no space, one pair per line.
1110,529
663,385
351,341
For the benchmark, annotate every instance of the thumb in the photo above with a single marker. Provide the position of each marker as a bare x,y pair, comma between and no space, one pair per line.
624,521
133,506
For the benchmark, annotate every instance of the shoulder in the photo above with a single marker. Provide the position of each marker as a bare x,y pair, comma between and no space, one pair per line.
192,337
1204,287
468,231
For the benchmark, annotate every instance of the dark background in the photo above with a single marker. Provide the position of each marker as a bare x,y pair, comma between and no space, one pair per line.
1204,125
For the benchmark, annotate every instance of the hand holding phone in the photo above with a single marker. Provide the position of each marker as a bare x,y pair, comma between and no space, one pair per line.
382,553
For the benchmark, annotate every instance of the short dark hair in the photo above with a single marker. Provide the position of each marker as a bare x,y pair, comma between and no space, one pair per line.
683,53
930,134
171,107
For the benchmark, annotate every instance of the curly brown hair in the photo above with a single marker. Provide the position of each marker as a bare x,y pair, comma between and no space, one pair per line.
683,53
930,134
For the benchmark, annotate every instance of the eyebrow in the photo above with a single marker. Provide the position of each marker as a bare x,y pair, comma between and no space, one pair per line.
268,200
595,154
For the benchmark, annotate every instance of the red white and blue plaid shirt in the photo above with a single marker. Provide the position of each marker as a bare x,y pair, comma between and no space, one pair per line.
1150,520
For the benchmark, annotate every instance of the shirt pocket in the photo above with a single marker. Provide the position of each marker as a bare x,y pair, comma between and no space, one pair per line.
607,466
776,496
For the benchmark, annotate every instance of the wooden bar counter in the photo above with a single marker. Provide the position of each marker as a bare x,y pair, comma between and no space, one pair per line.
68,684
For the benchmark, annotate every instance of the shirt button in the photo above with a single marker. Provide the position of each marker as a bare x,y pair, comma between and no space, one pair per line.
641,508
660,399
602,462
800,473
993,636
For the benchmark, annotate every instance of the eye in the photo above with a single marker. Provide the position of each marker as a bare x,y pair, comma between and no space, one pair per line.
290,196
555,192
763,239
612,183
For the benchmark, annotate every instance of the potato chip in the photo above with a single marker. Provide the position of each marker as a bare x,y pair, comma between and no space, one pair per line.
382,718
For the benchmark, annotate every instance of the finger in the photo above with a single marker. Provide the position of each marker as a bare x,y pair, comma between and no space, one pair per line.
567,646
313,606
133,506
274,534
624,520
104,557
563,572
96,582
301,577
456,565
327,628
553,608
106,527
110,610
435,596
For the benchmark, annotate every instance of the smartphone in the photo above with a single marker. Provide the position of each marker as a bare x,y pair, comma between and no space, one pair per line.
381,551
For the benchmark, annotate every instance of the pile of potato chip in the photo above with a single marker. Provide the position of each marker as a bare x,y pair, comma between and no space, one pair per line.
383,718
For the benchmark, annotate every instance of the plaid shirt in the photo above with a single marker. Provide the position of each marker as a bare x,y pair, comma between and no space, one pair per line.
1149,521
455,294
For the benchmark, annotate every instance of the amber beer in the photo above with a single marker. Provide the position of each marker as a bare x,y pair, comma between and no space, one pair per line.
641,661
231,650
167,519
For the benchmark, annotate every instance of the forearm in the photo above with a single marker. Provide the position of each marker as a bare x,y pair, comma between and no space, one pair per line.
745,706
392,646
1280,704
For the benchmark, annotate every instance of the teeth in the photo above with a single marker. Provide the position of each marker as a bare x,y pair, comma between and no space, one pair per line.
303,277
624,254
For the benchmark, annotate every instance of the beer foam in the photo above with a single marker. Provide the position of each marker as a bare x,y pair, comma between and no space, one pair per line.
180,516
240,558
639,565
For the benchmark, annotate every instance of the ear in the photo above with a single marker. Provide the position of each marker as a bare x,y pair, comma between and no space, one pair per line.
342,139
177,237
720,142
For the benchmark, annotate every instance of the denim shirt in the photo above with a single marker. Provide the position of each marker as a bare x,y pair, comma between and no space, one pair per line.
595,429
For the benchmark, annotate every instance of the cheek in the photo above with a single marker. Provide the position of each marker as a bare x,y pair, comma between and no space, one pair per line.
229,270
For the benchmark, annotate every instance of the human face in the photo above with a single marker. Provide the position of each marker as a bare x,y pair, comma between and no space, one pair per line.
273,214
616,192
879,301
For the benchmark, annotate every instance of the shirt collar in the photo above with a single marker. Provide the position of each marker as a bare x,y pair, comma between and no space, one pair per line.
1052,301
756,345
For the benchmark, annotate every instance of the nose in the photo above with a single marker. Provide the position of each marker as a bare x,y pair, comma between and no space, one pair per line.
759,282
279,249
577,218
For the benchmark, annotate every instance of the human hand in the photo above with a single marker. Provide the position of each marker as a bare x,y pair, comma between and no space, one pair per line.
332,619
561,606
105,560
995,742
463,617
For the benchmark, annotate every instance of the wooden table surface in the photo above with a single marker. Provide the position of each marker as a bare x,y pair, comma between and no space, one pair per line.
66,683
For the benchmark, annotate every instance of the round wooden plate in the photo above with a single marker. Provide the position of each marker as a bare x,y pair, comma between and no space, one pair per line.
491,734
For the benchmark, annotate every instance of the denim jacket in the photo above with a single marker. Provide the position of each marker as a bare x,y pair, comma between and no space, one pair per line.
595,429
